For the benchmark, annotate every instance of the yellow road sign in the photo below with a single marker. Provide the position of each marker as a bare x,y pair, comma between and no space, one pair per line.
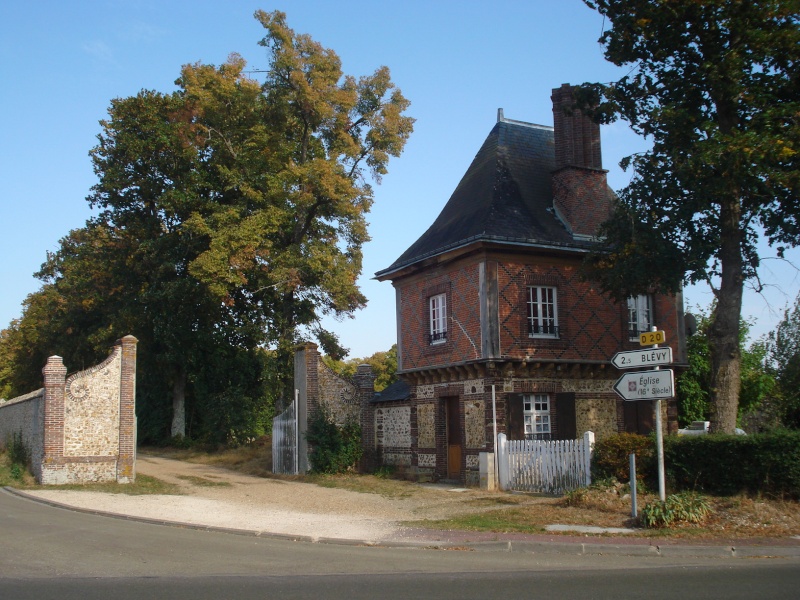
652,337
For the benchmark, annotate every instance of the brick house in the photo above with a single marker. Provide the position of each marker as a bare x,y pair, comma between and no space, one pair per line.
495,327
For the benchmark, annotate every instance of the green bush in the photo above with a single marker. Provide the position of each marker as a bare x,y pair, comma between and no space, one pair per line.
334,448
610,457
686,507
17,451
730,464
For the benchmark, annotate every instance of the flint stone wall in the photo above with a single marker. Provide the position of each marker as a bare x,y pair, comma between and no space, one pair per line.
79,429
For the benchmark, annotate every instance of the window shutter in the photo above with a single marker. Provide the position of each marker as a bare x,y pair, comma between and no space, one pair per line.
638,416
515,420
566,423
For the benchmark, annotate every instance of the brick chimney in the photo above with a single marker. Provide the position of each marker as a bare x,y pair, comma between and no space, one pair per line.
581,197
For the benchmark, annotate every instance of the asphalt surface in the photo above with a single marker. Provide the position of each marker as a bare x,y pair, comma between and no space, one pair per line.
586,544
60,553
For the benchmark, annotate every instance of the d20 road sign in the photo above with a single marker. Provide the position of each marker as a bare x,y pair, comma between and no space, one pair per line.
646,385
652,337
642,358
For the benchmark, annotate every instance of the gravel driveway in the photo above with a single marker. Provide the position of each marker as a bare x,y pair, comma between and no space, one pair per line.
219,497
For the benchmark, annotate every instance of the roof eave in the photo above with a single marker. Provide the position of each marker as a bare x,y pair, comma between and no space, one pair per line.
459,248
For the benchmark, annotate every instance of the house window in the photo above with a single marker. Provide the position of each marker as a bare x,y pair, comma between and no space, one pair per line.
542,312
640,315
438,319
536,411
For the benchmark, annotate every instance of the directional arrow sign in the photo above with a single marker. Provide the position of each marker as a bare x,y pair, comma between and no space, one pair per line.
646,385
642,358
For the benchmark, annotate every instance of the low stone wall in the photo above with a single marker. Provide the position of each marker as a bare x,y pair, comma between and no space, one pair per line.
24,417
83,428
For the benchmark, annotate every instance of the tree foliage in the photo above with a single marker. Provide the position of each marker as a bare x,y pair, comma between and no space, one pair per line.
784,355
384,365
757,387
231,216
715,85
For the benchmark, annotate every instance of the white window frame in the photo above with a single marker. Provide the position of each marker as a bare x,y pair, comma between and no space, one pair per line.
542,311
640,315
536,415
437,310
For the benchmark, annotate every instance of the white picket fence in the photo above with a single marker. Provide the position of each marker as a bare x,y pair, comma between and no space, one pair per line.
284,441
551,467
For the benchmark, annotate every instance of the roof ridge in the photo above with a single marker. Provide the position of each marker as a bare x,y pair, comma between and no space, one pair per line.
501,118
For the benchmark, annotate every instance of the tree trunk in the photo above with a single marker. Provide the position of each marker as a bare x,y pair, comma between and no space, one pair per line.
723,335
179,405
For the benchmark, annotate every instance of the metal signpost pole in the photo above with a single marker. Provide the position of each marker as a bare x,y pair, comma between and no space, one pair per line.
494,432
659,442
632,467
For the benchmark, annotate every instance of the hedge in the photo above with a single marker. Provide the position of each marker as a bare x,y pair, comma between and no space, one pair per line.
729,464
715,464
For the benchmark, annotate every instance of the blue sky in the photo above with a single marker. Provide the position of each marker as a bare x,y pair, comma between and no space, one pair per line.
457,61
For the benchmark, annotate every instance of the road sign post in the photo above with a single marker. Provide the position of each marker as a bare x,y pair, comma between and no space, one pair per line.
648,385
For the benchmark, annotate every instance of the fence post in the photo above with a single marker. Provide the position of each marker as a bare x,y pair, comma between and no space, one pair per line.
502,461
588,442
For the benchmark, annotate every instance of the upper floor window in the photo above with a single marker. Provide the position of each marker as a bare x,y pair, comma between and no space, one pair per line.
536,411
438,318
542,312
640,315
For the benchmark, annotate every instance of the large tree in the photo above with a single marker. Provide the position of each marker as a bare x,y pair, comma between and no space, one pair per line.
757,388
299,183
715,86
231,214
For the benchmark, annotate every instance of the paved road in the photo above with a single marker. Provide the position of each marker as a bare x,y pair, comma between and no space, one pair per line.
48,552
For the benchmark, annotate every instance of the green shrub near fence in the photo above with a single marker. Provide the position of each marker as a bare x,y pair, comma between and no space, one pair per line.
610,457
715,464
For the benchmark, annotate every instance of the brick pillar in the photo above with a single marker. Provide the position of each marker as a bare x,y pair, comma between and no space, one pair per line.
365,381
52,469
306,384
126,462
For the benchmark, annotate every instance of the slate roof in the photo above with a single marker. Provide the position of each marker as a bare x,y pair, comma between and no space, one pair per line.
399,390
505,196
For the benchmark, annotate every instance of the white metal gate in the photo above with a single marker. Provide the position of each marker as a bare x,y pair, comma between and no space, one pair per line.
284,441
551,467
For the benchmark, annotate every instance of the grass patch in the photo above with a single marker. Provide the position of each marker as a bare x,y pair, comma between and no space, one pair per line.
495,501
513,520
13,474
203,482
143,485
365,484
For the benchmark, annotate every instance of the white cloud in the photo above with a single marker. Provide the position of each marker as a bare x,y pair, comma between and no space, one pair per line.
100,51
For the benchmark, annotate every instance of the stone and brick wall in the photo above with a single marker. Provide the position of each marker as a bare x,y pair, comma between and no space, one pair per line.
320,388
82,428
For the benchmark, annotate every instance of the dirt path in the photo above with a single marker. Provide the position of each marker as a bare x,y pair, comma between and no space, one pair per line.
222,498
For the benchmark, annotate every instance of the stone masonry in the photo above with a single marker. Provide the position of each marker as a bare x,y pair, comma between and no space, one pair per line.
82,428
